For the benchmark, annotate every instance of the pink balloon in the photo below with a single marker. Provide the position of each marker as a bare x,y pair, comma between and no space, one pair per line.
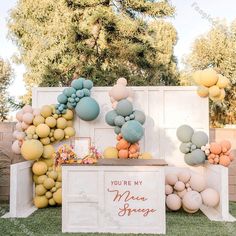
24,125
15,133
19,115
28,118
20,136
36,111
119,92
27,108
122,81
114,104
16,147
18,126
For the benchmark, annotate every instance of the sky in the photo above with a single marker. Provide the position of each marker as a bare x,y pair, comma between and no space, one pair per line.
192,19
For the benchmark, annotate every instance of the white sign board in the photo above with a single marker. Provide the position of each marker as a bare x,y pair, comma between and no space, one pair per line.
115,199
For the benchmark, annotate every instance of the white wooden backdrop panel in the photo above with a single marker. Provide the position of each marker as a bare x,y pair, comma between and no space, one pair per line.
166,108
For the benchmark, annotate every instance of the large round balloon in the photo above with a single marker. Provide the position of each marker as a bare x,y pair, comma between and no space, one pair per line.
199,138
110,117
132,131
77,83
124,107
31,149
185,133
139,116
87,109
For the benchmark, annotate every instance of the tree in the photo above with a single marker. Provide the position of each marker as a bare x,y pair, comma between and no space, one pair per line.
217,49
97,39
5,81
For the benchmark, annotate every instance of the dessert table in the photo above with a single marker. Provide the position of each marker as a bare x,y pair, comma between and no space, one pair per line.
116,196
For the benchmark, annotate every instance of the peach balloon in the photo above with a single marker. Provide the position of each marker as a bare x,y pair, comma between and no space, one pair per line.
211,156
215,148
134,155
210,197
28,118
123,154
224,160
192,201
211,161
133,148
122,144
119,137
14,135
19,115
216,160
226,145
179,186
27,108
182,193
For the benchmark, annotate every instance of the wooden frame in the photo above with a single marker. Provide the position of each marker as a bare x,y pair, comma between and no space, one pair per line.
81,146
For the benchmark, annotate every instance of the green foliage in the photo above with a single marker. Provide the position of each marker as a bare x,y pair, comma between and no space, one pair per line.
98,39
217,49
5,81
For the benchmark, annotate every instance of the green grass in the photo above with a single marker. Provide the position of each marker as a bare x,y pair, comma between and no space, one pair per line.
48,222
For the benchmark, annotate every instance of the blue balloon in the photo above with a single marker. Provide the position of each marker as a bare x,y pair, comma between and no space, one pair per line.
77,99
73,95
80,93
69,105
86,92
132,131
139,116
117,130
124,107
69,91
62,98
88,84
119,121
110,117
87,109
77,83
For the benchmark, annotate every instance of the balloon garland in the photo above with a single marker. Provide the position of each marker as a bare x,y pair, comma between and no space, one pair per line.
196,148
38,128
126,121
211,84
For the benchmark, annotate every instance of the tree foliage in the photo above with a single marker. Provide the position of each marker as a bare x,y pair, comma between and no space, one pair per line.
97,39
217,49
5,81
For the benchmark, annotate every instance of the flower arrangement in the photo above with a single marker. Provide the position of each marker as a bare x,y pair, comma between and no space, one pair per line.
65,155
92,157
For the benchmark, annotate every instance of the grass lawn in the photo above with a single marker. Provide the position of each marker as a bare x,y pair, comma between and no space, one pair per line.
48,222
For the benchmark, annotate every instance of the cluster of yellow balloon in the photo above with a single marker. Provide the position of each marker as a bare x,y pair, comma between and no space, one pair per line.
48,184
211,84
36,130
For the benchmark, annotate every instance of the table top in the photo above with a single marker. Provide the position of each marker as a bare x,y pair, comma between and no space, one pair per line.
124,162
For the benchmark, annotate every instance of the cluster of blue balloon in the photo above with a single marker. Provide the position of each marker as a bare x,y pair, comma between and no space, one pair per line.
78,97
126,121
192,141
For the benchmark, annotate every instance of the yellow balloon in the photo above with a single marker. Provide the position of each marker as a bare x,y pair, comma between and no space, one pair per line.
38,120
209,77
69,131
57,196
51,121
110,152
40,201
59,134
45,141
203,91
214,91
146,155
61,123
39,168
222,82
31,149
68,115
48,151
46,111
42,130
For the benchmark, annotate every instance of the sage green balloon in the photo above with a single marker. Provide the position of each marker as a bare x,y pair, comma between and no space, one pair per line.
184,133
184,148
199,138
